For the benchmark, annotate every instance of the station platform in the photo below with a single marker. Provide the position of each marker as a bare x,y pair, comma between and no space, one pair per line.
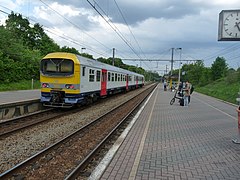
18,103
176,142
7,97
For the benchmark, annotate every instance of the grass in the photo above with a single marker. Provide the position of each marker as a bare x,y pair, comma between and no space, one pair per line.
221,90
21,85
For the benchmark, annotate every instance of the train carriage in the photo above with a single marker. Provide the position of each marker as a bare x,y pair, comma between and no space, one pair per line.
68,79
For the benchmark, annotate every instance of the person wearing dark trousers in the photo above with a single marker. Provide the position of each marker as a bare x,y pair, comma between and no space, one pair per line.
186,96
189,87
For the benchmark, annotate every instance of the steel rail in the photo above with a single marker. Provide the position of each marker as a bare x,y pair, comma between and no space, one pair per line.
18,121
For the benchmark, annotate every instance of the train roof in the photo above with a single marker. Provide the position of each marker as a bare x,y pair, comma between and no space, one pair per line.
89,62
95,63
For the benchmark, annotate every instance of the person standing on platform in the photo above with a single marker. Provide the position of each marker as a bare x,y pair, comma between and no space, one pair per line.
186,92
165,86
190,87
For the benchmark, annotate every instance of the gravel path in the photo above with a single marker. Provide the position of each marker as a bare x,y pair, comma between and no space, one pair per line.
22,145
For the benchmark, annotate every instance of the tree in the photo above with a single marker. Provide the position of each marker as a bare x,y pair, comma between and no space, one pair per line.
205,77
12,47
219,68
195,72
18,26
232,76
70,50
33,37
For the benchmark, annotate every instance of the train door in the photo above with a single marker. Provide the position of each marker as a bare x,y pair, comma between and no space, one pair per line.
104,83
127,82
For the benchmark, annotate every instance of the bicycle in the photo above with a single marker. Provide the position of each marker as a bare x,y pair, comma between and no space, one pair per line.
177,95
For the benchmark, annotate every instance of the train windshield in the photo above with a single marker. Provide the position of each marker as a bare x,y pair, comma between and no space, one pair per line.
57,67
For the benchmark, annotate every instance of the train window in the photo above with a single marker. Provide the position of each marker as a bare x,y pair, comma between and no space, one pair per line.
109,76
124,78
115,76
112,76
121,77
83,71
57,67
98,75
118,77
91,75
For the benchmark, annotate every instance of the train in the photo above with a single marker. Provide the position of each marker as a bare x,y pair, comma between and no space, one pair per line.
69,79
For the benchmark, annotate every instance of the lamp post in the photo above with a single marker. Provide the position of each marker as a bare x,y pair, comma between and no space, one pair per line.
82,50
179,71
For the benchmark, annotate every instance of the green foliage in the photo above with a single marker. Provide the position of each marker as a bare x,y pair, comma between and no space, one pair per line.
221,90
23,45
19,27
69,50
21,48
232,76
32,37
205,77
219,68
87,55
193,72
20,85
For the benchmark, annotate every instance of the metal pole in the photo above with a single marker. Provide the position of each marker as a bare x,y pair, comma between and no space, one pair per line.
171,69
113,56
179,72
172,62
32,83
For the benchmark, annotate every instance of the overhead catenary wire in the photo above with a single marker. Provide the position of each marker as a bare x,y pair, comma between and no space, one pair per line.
109,49
124,19
230,53
63,36
224,52
129,28
75,25
111,24
115,29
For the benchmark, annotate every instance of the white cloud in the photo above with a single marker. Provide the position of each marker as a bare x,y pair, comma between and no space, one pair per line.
156,25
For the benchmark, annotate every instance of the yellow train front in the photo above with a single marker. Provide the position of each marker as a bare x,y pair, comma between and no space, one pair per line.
68,79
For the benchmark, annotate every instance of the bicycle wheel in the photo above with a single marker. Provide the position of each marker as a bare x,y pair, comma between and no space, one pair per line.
172,101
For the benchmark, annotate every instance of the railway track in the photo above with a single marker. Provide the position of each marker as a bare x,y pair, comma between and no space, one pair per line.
14,125
68,157
17,124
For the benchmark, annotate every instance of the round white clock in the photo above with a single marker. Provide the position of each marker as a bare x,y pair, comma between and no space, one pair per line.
229,25
232,24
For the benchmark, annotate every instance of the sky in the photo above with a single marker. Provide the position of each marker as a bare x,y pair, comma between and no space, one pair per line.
140,31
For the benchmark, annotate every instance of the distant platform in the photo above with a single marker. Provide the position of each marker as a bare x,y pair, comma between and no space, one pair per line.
7,97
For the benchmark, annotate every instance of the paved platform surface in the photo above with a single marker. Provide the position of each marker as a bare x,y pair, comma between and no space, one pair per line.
16,96
175,142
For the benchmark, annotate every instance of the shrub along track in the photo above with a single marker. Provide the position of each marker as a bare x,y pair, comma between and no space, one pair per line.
60,159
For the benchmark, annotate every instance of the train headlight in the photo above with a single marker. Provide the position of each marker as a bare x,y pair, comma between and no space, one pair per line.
45,85
69,86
